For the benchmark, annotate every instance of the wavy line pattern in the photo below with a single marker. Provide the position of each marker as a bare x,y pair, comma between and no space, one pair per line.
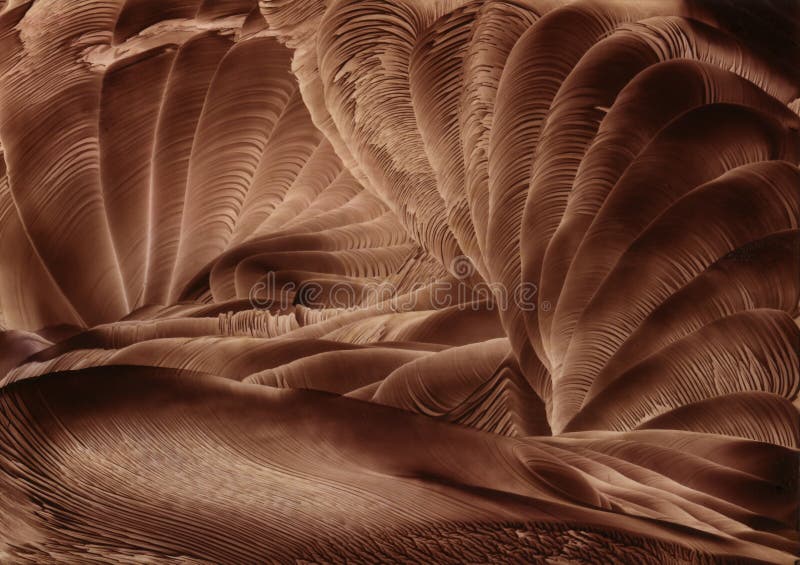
260,266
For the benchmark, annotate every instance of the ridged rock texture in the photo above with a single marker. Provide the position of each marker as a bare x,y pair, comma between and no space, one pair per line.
399,281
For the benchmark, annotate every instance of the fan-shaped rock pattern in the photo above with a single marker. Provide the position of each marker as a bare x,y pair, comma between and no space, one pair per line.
501,281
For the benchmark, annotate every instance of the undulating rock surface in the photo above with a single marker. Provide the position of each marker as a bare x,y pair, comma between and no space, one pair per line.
399,281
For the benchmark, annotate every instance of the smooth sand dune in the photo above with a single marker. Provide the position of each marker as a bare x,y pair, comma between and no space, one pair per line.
399,281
